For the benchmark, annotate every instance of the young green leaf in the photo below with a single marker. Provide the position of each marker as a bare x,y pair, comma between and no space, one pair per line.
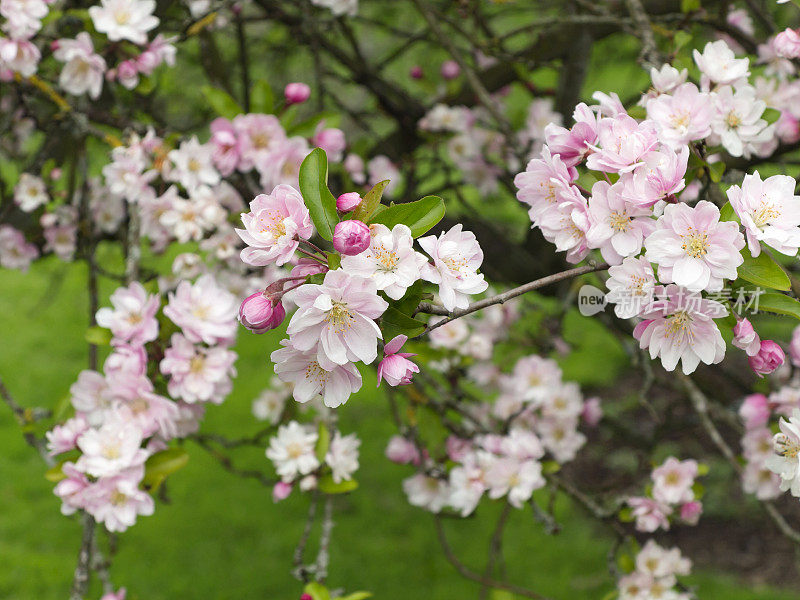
162,464
328,486
317,591
763,271
323,442
222,102
726,213
98,336
420,215
318,198
370,202
779,303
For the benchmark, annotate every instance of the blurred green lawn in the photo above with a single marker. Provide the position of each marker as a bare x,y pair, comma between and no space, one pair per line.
221,536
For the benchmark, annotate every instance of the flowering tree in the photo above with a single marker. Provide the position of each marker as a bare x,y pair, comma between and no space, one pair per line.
372,214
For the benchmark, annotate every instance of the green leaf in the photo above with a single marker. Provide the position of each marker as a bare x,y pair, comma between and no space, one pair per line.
771,115
726,213
496,594
420,215
394,323
715,171
328,486
370,202
550,466
688,6
54,474
318,198
356,596
261,97
162,464
98,336
323,442
411,299
222,102
763,271
779,303
334,260
317,591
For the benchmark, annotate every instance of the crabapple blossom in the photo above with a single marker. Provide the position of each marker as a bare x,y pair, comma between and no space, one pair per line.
15,251
402,451
351,237
395,367
631,286
83,71
30,192
673,481
339,7
133,318
787,43
381,168
427,492
204,311
769,357
337,319
332,140
769,211
755,411
124,19
112,448
117,501
456,258
390,260
259,313
737,123
719,64
335,383
667,78
272,227
693,249
342,456
63,438
785,461
682,116
226,146
193,164
197,374
680,327
659,178
258,136
296,93
746,338
650,515
617,227
19,55
622,144
292,451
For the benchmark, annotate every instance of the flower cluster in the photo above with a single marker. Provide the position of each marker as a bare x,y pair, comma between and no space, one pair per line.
654,574
123,415
673,493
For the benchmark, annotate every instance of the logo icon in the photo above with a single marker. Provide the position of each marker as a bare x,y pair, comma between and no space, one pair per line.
591,300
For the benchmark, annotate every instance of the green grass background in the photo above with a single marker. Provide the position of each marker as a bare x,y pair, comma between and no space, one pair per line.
222,537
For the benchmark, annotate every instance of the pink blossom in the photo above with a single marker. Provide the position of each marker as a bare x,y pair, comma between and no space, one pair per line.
683,116
592,411
402,451
693,248
450,69
769,211
659,178
567,224
112,448
117,501
354,165
338,319
30,192
260,313
193,164
71,490
754,411
281,491
133,318
351,237
667,78
331,140
622,144
573,145
61,240
680,327
650,514
258,136
617,227
124,19
631,286
673,481
83,71
395,367
456,258
197,374
787,43
691,511
296,93
770,356
545,183
719,64
347,202
737,123
118,595
746,338
794,347
15,251
63,438
19,55
226,146
282,164
204,311
128,74
335,383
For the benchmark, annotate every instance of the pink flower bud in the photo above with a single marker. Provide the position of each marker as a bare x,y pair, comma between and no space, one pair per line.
746,338
754,411
351,237
691,511
395,367
347,202
296,93
54,45
56,173
306,267
306,597
128,74
281,491
259,314
794,347
770,356
416,72
787,44
592,412
450,69
457,448
147,61
402,451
